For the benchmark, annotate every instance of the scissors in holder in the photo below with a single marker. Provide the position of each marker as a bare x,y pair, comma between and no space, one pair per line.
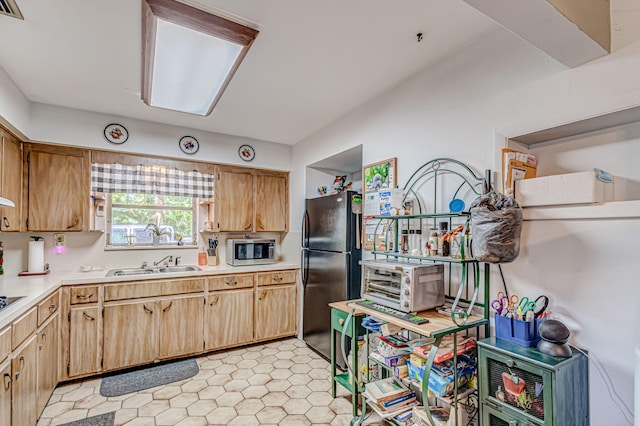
540,312
513,302
501,305
527,310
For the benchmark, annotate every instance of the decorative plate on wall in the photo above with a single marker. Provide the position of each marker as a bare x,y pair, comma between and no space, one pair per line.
189,145
116,133
246,152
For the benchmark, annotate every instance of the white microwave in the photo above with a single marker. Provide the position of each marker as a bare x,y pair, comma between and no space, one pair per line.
251,252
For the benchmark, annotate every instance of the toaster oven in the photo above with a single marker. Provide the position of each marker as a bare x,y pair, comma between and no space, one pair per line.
407,287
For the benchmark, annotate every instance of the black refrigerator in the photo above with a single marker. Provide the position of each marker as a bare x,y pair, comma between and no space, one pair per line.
330,267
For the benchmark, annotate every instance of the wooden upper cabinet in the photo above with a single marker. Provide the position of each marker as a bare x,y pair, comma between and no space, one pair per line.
11,185
250,200
58,184
272,202
234,192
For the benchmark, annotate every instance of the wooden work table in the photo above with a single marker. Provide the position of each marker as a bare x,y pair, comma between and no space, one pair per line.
438,325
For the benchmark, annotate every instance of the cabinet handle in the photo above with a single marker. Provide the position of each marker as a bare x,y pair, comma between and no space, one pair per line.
277,278
84,296
6,222
52,307
44,340
214,300
87,316
341,321
7,381
21,367
74,224
231,283
248,227
147,310
168,307
262,295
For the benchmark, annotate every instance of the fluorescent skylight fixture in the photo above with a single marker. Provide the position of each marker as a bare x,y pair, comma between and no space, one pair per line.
189,56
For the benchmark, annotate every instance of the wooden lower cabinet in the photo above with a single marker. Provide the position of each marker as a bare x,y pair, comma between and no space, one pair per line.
24,365
275,312
47,361
83,341
229,318
5,393
130,334
181,326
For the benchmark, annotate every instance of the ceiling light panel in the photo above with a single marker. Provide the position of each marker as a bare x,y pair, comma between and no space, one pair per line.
189,56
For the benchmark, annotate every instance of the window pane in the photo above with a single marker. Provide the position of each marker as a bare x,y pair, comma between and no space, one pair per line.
134,221
151,200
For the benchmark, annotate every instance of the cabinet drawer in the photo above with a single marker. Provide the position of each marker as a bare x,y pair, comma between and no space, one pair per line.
228,282
278,277
84,294
5,342
151,289
48,307
24,327
338,319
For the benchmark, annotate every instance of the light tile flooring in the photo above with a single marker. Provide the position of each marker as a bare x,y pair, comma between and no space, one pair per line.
278,383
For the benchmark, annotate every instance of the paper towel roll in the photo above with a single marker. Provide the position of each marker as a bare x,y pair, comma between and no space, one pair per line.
36,256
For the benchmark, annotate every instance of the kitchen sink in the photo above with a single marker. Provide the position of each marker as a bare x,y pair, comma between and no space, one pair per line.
186,268
123,272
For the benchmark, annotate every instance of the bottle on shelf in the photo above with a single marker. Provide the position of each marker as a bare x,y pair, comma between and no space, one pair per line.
443,244
432,243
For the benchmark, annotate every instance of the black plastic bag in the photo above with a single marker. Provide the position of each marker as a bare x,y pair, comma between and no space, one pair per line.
496,224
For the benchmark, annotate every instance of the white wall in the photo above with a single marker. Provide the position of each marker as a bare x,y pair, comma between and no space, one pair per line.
496,86
14,105
83,128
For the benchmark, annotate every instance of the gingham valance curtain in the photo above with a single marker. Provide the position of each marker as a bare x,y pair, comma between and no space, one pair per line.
158,180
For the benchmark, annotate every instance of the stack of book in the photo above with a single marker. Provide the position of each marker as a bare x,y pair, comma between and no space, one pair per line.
389,396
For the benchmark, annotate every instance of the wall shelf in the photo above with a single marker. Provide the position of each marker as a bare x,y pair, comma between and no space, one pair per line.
610,210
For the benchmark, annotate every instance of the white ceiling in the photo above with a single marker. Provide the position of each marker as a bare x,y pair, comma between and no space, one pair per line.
312,62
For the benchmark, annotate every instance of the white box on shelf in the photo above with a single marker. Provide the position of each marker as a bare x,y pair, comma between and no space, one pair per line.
569,188
391,201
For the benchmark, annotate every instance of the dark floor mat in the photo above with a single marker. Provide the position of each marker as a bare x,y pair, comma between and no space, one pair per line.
106,419
148,377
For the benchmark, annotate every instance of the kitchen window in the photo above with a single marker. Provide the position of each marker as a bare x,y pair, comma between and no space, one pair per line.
129,215
141,199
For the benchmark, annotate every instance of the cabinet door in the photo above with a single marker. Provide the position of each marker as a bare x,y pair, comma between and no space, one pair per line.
130,334
47,361
83,341
24,366
58,188
275,312
181,326
229,318
11,183
234,201
5,393
272,203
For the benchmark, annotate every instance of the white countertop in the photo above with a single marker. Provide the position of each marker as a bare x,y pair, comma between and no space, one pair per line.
37,288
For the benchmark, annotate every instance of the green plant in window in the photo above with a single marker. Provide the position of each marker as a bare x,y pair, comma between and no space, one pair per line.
155,230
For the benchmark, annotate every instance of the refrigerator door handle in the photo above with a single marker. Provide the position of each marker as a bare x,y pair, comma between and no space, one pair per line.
304,271
305,229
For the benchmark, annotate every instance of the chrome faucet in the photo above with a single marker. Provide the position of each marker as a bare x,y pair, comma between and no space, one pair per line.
168,259
177,261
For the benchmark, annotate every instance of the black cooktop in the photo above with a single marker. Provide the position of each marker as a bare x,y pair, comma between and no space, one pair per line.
6,301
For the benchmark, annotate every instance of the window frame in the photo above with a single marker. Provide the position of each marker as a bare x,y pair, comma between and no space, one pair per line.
109,216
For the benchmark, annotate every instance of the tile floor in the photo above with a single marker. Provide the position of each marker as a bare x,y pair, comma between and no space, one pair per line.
278,383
